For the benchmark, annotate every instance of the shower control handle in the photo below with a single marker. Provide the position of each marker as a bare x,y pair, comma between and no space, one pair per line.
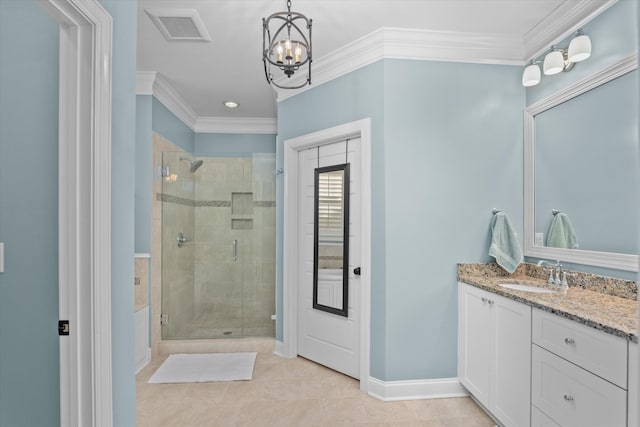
181,239
235,250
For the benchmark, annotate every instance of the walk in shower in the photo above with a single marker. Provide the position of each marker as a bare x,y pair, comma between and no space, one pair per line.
218,245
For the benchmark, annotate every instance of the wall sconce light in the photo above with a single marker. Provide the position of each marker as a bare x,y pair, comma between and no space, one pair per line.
558,59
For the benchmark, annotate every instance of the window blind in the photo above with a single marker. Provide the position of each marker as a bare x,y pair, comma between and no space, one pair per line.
330,207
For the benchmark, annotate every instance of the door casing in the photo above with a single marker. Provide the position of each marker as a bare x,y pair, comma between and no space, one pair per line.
361,129
84,205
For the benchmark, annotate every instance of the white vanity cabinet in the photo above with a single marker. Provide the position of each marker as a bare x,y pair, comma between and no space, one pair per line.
494,353
579,374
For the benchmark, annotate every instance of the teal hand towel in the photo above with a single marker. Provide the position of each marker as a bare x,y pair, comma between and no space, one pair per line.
505,247
561,233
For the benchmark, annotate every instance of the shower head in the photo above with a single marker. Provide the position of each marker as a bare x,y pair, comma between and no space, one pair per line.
195,164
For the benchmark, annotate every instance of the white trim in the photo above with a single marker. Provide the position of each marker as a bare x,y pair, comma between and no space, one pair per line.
278,349
84,210
170,98
564,21
390,391
400,43
142,255
252,125
145,81
361,128
143,364
628,262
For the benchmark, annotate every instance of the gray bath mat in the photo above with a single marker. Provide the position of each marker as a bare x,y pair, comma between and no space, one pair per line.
200,368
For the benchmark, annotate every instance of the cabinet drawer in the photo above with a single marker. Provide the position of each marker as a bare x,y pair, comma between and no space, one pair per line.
572,396
603,354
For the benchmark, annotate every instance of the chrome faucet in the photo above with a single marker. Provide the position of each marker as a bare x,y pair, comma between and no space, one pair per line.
557,269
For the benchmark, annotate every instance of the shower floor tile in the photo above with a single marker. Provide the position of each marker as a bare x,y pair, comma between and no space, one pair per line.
289,392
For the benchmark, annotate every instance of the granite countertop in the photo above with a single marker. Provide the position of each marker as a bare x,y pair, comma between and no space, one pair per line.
613,314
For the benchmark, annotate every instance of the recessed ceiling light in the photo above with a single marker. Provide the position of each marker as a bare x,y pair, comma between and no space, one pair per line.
231,104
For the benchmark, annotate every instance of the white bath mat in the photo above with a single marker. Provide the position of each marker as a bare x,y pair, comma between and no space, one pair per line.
201,368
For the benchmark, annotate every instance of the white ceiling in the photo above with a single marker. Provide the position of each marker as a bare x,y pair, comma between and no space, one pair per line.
204,74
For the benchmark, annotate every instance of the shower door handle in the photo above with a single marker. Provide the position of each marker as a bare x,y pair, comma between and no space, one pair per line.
235,250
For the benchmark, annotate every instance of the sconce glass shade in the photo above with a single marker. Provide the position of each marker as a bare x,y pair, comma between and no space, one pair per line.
579,48
553,63
531,75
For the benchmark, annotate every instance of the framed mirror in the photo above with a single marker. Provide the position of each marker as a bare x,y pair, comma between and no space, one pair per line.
331,240
581,172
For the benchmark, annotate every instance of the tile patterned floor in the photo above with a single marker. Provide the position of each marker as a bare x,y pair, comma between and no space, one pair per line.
295,393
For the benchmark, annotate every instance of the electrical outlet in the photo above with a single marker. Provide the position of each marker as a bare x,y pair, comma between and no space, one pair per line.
1,257
539,240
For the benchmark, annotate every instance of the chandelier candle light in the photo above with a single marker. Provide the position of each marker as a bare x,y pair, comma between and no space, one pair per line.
285,46
558,59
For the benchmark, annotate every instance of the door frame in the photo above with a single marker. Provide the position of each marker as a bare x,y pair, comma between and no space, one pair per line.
361,129
84,208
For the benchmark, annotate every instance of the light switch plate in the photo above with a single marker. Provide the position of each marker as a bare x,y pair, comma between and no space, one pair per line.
539,241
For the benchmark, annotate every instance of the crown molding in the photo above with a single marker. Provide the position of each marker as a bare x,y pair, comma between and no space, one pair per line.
144,82
400,43
570,16
253,125
170,98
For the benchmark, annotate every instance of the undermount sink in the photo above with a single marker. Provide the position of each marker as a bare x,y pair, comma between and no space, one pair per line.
527,288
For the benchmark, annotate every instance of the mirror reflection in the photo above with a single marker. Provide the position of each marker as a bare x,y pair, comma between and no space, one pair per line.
586,176
331,243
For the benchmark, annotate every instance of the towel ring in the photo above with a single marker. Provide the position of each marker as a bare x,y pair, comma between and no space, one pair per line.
556,211
495,211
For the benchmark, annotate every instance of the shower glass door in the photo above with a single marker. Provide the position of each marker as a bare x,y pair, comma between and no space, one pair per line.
218,246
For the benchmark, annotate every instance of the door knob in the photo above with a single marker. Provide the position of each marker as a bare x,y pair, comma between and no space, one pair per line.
356,271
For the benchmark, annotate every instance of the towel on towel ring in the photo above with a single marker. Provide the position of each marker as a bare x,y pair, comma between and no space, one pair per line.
505,247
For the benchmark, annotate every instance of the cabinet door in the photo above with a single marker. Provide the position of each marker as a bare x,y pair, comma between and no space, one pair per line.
474,341
510,399
634,383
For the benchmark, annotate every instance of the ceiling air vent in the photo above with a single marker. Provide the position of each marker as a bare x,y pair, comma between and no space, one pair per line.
179,24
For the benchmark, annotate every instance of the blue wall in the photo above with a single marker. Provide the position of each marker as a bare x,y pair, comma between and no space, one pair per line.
124,15
166,124
29,350
144,173
453,151
445,151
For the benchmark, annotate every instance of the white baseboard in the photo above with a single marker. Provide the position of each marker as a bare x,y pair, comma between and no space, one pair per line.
415,389
143,363
278,348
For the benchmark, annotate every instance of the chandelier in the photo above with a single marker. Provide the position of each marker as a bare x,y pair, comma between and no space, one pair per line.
285,46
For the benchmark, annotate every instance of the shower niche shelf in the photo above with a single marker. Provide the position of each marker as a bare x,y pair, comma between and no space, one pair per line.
241,224
241,211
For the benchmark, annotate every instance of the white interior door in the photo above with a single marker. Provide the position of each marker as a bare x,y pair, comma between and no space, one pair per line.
329,339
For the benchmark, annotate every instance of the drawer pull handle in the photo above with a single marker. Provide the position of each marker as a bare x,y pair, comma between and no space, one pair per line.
569,341
490,302
484,299
568,398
